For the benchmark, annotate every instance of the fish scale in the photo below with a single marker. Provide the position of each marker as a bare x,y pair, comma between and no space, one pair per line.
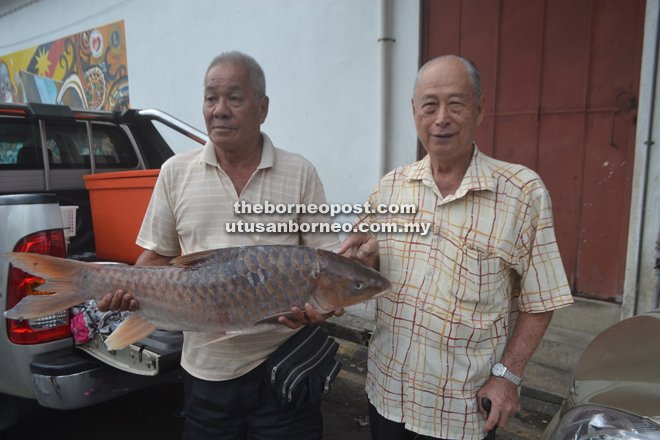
224,292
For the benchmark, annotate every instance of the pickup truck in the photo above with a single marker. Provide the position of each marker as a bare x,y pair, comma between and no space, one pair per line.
45,152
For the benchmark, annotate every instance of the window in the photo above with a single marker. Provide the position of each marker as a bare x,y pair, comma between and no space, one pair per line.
112,149
68,146
19,145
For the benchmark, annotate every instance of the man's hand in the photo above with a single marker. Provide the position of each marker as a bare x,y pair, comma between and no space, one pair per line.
505,402
503,393
308,317
363,248
120,300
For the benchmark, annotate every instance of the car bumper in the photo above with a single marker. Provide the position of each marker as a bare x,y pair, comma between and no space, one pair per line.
76,381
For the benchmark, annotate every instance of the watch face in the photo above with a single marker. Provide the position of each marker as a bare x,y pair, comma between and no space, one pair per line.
498,369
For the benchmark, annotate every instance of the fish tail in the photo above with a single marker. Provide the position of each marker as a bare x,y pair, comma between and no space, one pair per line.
59,273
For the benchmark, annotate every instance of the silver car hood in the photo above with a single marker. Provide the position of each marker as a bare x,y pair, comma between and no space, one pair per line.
620,369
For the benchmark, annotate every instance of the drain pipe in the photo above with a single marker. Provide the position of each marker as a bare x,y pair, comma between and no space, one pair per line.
649,143
385,42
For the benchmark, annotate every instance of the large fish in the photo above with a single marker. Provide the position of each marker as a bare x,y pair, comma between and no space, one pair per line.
227,292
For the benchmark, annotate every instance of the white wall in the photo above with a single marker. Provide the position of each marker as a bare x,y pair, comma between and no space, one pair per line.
320,58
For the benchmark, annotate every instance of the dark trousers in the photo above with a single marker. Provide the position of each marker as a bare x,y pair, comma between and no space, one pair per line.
228,410
384,429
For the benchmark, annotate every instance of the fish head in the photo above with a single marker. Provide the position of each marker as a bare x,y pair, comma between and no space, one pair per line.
342,282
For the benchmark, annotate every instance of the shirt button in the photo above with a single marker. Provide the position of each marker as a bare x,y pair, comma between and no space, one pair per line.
418,339
431,272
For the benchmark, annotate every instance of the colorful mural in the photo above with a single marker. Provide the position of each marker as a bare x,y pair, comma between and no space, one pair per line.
85,70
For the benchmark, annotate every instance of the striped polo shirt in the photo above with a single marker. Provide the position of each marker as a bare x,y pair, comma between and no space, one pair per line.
192,204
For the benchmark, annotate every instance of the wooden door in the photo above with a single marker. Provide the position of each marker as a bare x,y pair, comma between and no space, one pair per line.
561,79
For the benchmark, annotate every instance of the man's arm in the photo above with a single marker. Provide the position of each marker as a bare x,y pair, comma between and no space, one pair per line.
122,300
503,393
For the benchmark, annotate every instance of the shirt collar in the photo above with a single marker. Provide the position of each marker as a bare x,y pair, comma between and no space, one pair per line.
267,154
478,177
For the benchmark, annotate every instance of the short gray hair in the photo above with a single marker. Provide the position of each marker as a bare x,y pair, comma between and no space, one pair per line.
254,70
473,74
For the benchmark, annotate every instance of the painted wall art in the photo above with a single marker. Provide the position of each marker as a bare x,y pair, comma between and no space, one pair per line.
86,70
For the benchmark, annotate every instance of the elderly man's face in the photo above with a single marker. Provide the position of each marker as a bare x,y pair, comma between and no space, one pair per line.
232,113
445,111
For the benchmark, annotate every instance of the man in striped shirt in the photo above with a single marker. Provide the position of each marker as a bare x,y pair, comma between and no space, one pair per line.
445,338
195,196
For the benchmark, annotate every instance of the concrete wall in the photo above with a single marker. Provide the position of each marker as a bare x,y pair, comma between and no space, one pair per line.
320,58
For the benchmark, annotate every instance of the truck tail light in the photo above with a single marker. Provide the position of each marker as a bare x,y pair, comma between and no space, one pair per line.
21,284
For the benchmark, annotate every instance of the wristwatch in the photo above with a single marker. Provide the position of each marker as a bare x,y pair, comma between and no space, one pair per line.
499,370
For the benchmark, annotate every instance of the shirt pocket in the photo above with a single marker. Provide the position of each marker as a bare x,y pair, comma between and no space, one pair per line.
475,280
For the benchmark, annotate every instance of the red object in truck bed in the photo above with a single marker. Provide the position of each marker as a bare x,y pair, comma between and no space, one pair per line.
119,201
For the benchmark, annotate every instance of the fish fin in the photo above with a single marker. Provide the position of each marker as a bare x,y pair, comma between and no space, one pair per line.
221,338
273,319
133,329
322,306
259,328
317,307
58,272
192,259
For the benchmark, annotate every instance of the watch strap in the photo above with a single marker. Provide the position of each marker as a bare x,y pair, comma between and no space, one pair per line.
512,377
500,370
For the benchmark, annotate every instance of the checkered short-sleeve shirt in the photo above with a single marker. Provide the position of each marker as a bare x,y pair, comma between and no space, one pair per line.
448,320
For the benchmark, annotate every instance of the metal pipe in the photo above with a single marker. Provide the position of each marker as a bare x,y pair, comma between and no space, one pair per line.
649,142
385,42
175,124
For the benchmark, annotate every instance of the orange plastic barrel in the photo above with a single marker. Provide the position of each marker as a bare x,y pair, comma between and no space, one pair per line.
119,201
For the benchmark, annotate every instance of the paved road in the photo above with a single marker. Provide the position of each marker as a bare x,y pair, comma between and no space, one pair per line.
150,415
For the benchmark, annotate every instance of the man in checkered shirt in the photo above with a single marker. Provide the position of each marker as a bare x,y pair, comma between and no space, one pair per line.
446,337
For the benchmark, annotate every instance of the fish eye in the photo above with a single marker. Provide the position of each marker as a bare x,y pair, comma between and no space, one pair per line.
357,287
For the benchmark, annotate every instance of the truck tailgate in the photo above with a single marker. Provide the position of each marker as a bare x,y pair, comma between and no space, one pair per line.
158,353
